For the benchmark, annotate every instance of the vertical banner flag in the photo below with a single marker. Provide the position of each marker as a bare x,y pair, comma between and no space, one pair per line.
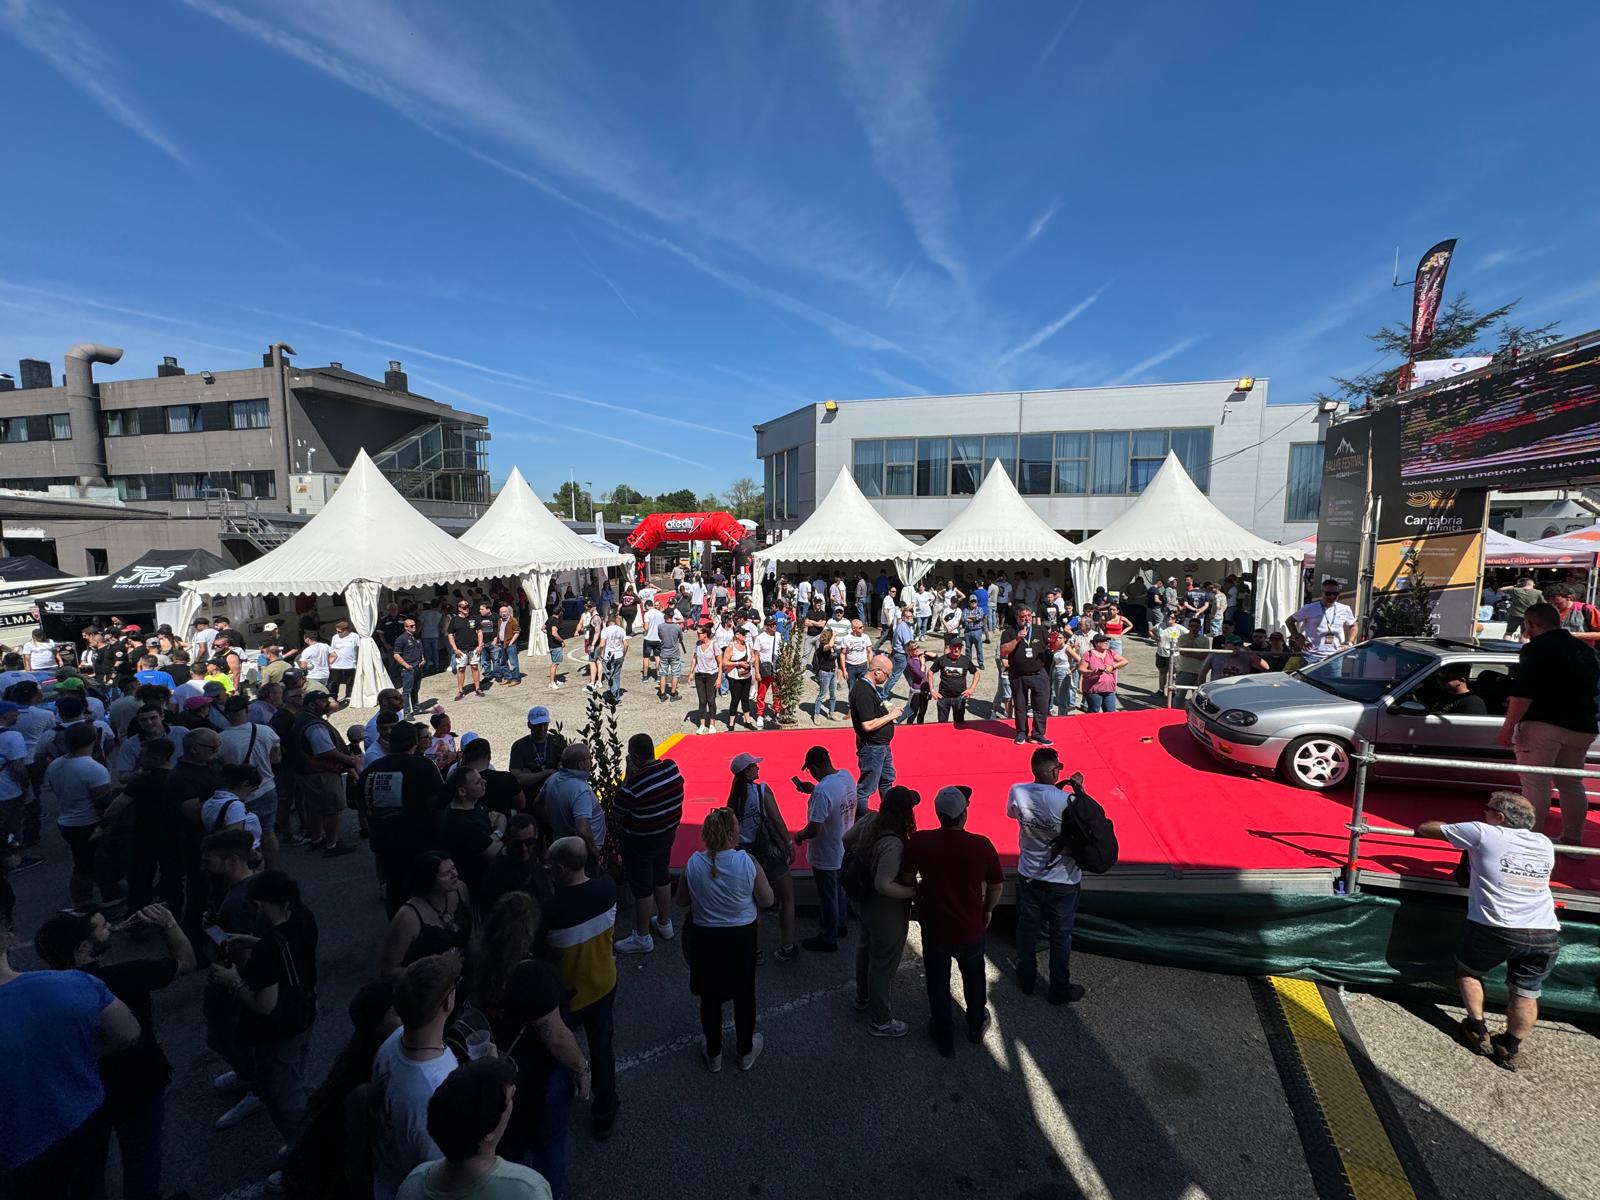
1342,515
1429,293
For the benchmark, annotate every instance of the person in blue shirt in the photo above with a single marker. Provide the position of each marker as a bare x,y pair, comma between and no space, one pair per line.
150,672
973,623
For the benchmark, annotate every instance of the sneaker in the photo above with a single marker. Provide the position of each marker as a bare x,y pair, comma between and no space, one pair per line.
275,1183
554,688
819,946
1042,740
293,839
892,1028
1025,986
975,1034
1501,1052
27,863
1019,739
665,931
1074,993
746,1061
1474,1035
713,1061
787,954
460,695
228,1083
859,1004
242,1111
945,1046
639,943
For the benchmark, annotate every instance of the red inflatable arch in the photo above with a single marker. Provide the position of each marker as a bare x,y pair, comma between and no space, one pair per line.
686,527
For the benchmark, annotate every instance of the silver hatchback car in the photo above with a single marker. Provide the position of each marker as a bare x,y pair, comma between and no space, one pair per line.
1390,692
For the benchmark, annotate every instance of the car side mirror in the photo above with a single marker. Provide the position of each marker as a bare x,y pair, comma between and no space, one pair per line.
1412,708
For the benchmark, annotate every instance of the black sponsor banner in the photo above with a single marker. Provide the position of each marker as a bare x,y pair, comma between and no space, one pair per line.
1535,425
1341,519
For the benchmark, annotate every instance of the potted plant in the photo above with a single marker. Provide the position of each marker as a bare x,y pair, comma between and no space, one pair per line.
792,671
599,733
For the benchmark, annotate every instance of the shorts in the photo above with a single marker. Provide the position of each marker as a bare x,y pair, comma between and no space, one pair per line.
774,873
652,650
323,794
80,839
646,860
1529,955
671,667
265,807
463,659
557,656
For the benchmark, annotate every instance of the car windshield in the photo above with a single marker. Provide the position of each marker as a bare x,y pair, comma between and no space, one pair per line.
1365,672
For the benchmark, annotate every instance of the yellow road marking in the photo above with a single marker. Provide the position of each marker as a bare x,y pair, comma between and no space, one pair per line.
668,743
1370,1163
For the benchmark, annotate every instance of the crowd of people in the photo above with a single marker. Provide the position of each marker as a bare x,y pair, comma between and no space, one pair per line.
177,775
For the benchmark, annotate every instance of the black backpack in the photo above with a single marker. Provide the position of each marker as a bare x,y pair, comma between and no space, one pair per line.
1086,832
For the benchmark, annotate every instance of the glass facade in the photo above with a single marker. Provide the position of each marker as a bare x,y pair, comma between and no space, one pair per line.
48,427
197,485
781,484
1101,463
1303,494
210,417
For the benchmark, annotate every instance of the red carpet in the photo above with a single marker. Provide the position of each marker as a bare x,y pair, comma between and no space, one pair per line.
1177,811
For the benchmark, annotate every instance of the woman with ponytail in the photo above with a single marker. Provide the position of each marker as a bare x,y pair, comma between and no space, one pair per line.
724,887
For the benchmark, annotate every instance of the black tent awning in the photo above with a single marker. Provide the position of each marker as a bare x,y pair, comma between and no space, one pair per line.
25,568
139,586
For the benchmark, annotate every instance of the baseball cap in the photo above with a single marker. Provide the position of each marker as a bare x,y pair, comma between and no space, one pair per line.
952,801
132,629
816,756
235,704
538,715
1233,639
70,684
196,702
467,739
742,762
7,707
293,676
270,627
900,799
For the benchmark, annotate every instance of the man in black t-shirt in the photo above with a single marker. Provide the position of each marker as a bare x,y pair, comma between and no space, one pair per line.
135,1078
461,635
406,658
1026,649
951,669
874,726
403,797
487,629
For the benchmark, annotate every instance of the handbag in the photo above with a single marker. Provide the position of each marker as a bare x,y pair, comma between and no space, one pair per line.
767,848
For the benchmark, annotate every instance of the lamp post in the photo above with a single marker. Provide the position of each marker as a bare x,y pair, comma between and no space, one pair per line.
588,485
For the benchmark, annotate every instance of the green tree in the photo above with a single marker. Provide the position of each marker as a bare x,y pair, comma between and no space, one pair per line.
709,502
623,494
745,499
562,503
682,500
1461,331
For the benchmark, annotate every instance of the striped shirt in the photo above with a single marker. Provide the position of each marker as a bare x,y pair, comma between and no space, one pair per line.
651,801
579,924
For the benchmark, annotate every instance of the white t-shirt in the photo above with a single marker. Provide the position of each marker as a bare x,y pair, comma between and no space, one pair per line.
344,647
235,743
12,750
41,656
802,592
399,1107
1324,627
833,806
1167,640
767,647
33,722
1511,868
855,647
127,759
652,624
72,779
611,641
503,1181
889,612
315,660
924,604
202,639
729,898
840,627
223,809
1037,809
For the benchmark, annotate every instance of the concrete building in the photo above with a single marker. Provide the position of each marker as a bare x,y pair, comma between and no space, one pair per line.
226,461
1079,455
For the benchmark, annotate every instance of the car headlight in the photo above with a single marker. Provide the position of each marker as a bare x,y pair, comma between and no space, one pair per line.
1237,716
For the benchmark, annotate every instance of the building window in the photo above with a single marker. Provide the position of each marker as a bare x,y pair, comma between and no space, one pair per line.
129,487
1110,463
183,418
966,465
122,422
900,467
1035,464
791,483
1149,452
1001,448
61,429
1072,464
249,414
1303,495
255,485
37,428
188,486
933,466
98,565
768,492
1193,448
780,488
868,469
15,429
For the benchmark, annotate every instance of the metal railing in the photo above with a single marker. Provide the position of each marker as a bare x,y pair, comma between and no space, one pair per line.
1365,757
1172,671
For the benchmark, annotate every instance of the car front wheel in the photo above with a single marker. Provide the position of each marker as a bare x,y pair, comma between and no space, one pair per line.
1316,762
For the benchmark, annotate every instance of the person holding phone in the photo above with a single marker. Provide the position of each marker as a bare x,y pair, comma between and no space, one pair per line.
1047,880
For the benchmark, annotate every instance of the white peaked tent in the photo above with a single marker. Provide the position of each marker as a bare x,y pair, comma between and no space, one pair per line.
845,528
365,539
996,526
1173,521
519,527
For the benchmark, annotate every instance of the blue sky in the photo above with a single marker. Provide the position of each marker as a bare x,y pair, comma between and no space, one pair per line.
627,232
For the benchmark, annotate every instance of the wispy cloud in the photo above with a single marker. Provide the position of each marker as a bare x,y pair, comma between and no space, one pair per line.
639,446
902,387
1514,255
1156,359
1061,31
1040,336
1042,221
892,55
69,46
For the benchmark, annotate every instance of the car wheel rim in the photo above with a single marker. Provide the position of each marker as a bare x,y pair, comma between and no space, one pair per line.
1321,762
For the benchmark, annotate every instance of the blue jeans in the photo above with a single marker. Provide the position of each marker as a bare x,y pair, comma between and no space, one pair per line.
827,693
1064,688
613,676
936,959
801,608
507,663
861,611
139,1147
1215,628
549,1156
922,626
409,679
1052,907
975,648
1101,701
598,1026
853,672
876,765
433,653
831,905
899,660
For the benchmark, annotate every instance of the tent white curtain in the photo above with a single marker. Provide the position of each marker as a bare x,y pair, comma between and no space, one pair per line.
536,586
189,603
1278,591
361,598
